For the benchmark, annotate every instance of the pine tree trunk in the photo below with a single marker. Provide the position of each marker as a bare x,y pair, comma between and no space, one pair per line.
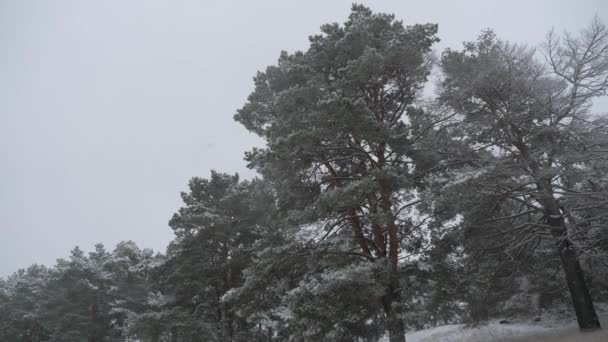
575,277
396,332
226,322
581,299
392,304
94,335
35,332
174,334
225,326
392,300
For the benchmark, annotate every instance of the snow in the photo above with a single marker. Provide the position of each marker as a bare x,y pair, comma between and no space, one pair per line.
490,332
558,330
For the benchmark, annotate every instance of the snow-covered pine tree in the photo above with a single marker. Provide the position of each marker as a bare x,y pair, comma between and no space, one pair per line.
347,143
533,117
215,230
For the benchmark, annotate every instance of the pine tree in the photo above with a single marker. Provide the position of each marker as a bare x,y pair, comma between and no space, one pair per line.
533,121
22,298
78,303
214,232
347,140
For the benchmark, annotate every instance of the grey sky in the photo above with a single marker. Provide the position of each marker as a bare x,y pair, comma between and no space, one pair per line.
107,108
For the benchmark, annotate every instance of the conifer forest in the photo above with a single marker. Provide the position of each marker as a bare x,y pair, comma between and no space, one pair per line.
400,188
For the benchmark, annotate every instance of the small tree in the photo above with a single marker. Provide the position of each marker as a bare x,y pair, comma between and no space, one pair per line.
214,231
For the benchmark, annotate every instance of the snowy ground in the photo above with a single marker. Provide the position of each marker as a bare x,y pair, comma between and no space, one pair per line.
549,329
504,332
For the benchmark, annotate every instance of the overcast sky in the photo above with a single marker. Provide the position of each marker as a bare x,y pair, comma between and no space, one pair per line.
107,108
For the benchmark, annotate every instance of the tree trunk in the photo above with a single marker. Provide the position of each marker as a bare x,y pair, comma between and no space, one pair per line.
358,232
581,299
225,324
94,334
396,330
155,337
575,277
392,308
226,319
35,332
174,334
392,299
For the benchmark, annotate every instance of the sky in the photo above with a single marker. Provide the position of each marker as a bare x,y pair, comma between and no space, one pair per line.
108,108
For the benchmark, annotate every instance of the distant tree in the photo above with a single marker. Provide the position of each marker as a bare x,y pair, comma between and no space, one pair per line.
22,298
78,305
214,232
134,292
84,298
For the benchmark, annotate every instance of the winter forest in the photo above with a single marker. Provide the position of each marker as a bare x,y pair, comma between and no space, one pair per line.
400,188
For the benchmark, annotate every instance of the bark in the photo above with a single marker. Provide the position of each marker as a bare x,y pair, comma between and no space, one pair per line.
396,330
392,300
94,334
393,249
379,240
226,316
174,334
358,232
35,332
225,324
575,277
392,305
